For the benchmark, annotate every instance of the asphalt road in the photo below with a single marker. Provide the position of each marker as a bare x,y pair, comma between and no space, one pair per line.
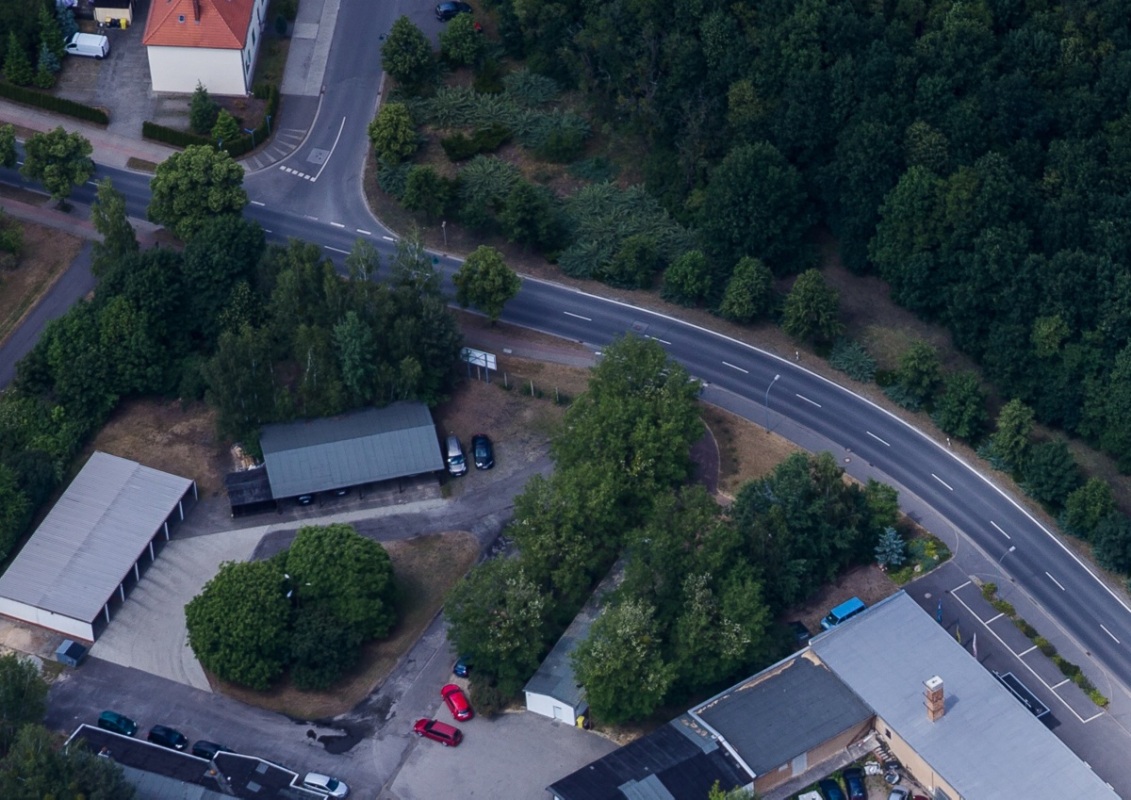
898,453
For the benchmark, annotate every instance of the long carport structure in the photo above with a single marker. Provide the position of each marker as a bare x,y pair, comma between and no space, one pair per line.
92,547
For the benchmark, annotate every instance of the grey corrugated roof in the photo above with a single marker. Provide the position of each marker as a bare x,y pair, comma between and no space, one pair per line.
366,446
91,538
554,677
986,744
783,711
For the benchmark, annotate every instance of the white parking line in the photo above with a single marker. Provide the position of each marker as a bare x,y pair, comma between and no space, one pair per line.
877,438
732,366
1109,633
940,480
807,400
1054,580
999,530
578,316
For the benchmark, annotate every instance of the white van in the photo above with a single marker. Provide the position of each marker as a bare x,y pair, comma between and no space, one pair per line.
89,44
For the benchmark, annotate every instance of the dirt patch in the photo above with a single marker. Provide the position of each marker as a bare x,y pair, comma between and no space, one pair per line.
746,451
166,435
866,582
47,253
426,568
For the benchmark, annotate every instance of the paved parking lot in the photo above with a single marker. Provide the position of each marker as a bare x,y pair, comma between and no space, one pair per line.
512,757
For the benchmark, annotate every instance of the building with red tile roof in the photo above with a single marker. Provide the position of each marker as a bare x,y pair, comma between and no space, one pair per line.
213,42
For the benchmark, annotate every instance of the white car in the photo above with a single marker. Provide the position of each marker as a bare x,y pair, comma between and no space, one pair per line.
331,787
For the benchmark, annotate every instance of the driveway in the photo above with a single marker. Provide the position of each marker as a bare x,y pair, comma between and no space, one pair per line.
512,757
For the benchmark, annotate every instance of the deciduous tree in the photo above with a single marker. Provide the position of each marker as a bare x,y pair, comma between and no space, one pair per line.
486,282
23,696
350,576
462,41
620,664
1014,427
497,616
688,280
1086,507
961,411
108,213
812,308
35,768
920,372
392,133
193,186
749,293
1051,474
238,624
59,160
406,54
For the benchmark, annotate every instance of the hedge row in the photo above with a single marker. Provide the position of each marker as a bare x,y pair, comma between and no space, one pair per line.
61,105
243,143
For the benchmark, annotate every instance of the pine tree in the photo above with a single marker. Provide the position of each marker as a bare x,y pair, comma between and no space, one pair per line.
17,66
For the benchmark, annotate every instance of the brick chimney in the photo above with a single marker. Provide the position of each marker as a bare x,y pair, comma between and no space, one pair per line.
936,700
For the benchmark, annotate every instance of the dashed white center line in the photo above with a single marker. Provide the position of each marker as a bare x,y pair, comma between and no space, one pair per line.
310,217
388,238
1054,580
999,530
336,249
940,480
337,225
732,366
576,316
877,438
658,339
363,232
807,400
1109,633
257,203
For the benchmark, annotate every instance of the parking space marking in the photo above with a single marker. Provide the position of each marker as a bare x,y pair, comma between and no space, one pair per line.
576,316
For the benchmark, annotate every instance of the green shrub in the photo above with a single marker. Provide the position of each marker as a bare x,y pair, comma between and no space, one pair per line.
1069,669
562,145
159,133
1099,699
1044,645
596,170
489,77
459,147
1027,629
852,358
393,180
59,105
530,89
989,590
1004,607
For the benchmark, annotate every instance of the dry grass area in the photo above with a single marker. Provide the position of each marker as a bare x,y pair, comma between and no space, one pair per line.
47,253
746,451
162,434
426,567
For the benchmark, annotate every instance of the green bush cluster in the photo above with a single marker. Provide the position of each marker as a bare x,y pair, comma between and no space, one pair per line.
59,105
459,147
852,358
240,145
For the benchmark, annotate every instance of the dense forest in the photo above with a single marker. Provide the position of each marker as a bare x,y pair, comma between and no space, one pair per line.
975,155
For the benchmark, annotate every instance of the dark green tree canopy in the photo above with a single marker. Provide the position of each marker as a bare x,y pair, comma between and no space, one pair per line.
193,186
59,160
486,282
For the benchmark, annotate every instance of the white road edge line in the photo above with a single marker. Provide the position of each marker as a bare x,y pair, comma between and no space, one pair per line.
807,400
318,174
1109,633
732,366
336,249
578,316
940,480
877,438
999,530
257,203
337,225
1054,580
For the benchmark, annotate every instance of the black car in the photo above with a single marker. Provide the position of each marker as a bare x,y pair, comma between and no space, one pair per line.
854,780
800,633
445,11
167,737
830,789
482,451
208,750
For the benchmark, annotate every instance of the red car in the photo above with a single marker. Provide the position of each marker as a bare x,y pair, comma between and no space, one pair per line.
438,731
457,702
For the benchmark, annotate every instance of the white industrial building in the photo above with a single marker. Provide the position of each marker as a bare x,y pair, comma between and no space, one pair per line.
91,549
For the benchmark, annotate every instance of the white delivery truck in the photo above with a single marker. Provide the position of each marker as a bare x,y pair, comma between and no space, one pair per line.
89,44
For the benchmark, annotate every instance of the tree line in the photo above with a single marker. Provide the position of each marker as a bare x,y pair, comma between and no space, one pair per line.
702,586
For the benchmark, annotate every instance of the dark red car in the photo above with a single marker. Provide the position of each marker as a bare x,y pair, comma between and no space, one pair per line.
438,731
457,702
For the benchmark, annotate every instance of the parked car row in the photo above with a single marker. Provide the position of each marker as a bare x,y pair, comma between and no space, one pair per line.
172,738
482,453
831,789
